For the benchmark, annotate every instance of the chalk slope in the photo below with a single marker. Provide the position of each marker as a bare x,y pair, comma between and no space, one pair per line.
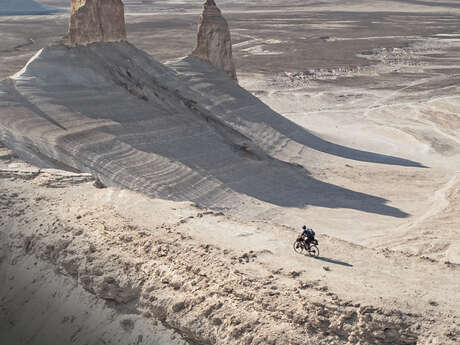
184,132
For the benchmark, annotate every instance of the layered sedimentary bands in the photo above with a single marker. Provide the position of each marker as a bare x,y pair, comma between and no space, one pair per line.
97,21
214,43
184,132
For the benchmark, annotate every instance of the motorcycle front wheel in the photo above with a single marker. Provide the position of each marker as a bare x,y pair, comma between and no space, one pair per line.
314,251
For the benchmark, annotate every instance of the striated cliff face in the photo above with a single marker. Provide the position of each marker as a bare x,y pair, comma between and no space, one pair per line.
214,42
96,21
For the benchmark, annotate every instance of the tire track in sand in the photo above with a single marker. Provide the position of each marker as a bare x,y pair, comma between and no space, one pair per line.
440,202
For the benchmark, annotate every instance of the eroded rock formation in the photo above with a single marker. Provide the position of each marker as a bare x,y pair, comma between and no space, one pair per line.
214,42
96,21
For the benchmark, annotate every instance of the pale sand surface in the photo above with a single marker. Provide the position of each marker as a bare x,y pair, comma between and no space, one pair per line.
401,101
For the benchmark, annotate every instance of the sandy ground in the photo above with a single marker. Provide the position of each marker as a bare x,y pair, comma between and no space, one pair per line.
393,90
210,277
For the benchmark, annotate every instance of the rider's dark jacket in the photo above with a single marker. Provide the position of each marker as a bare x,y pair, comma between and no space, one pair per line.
308,234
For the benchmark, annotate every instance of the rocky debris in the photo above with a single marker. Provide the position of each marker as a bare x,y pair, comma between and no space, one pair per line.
388,60
51,178
330,73
398,56
214,43
96,21
23,172
197,289
214,302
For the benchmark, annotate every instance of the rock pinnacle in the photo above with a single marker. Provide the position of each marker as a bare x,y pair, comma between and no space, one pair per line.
214,42
96,21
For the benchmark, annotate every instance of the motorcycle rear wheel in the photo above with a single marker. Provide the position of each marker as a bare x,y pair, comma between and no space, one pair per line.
299,247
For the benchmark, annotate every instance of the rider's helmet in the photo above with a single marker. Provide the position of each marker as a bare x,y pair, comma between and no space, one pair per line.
304,227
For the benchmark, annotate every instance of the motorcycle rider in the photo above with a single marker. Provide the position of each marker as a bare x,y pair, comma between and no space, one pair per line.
308,235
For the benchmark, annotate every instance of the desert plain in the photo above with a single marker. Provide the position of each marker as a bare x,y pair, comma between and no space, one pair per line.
374,85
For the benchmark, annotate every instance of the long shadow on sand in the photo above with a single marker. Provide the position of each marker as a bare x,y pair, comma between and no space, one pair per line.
240,105
335,262
270,180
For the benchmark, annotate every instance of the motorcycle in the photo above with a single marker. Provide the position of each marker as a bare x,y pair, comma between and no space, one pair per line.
301,247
